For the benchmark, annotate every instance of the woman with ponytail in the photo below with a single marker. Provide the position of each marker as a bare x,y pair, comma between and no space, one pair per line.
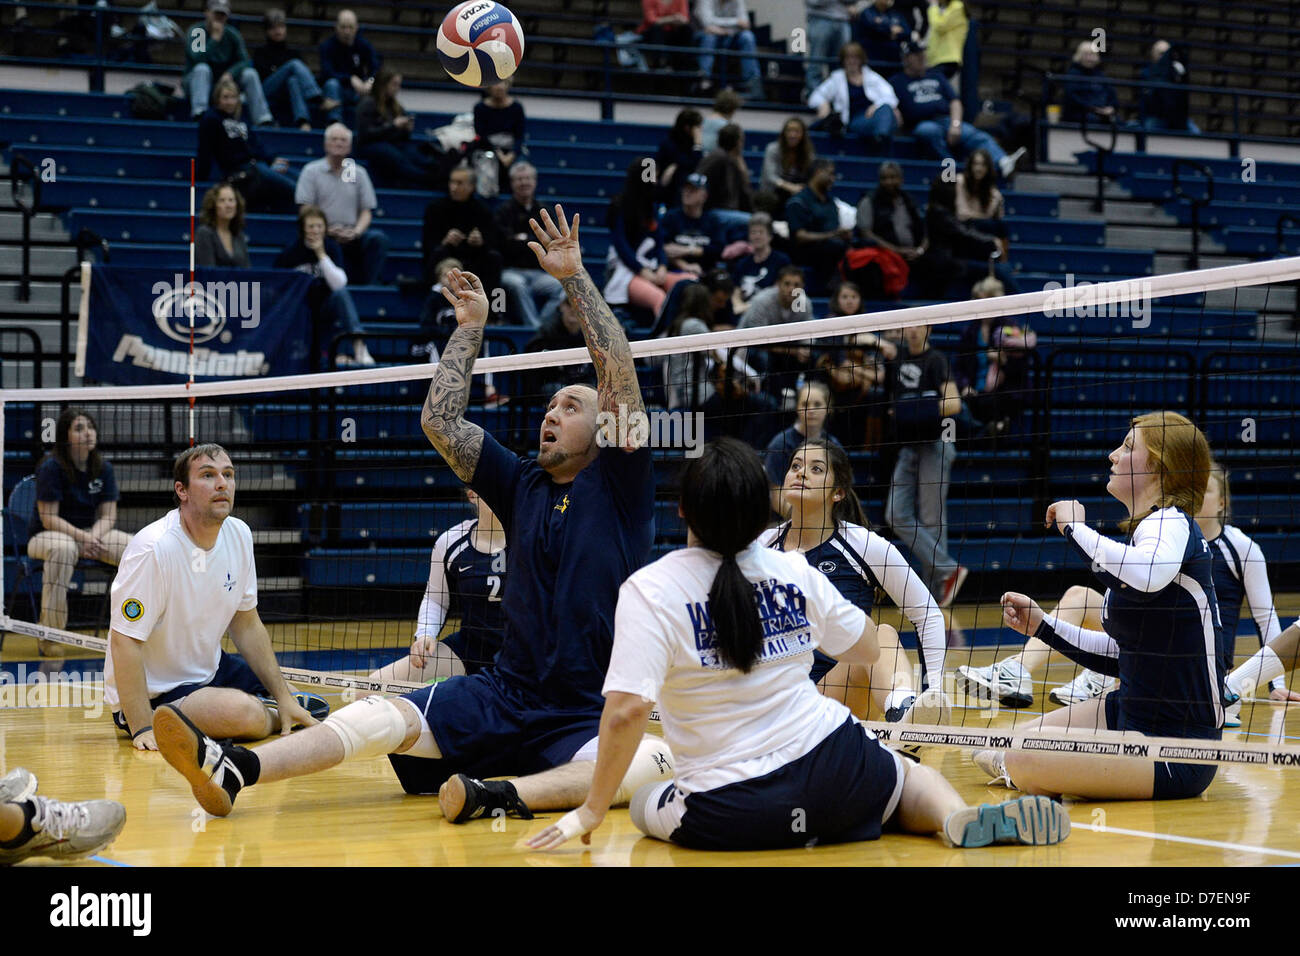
721,635
828,527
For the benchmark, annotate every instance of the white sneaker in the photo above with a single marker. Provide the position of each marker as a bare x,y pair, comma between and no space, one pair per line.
1032,821
1087,686
1007,165
1007,680
68,831
1232,715
927,708
994,763
17,785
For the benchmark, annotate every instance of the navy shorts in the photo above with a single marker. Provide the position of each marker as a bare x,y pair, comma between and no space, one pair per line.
1173,781
231,672
472,653
821,666
486,728
842,790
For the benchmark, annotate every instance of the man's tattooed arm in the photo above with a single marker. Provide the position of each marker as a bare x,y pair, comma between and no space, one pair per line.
607,342
459,442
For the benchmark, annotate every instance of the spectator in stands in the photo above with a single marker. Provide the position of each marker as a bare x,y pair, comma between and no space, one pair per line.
888,218
692,234
1085,91
635,267
563,332
290,88
1164,108
979,201
725,24
687,375
854,371
534,294
736,410
666,23
384,139
882,30
957,253
786,161
932,112
679,153
725,106
758,269
332,308
461,225
215,51
946,38
857,100
828,30
992,365
785,302
76,501
224,138
817,238
342,189
721,289
730,195
220,241
812,412
922,394
348,65
499,121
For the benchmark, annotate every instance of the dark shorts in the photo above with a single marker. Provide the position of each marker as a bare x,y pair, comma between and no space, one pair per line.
486,728
821,666
1173,781
840,791
231,672
472,653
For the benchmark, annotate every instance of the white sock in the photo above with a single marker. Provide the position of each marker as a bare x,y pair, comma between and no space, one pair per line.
1262,667
897,698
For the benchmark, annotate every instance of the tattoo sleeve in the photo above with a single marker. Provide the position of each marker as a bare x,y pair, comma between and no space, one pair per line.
616,380
443,418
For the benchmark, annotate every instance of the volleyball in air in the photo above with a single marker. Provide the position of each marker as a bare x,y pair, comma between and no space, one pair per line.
480,42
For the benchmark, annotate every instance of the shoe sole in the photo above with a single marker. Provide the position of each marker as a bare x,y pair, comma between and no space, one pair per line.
1031,821
179,741
985,690
451,798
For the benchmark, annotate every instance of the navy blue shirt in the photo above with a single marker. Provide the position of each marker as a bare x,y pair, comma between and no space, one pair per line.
703,232
476,587
339,61
858,102
1171,676
923,97
78,500
752,277
572,547
878,36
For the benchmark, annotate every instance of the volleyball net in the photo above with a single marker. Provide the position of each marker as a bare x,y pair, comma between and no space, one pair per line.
345,496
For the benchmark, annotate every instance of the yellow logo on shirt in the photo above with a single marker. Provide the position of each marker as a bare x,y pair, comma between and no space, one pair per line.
132,609
563,505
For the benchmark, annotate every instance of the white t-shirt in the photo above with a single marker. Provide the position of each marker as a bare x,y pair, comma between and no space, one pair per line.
725,726
177,600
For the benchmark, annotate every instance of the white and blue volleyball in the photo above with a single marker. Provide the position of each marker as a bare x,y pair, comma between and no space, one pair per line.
480,42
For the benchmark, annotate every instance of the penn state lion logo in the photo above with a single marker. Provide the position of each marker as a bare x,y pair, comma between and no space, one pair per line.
132,609
826,567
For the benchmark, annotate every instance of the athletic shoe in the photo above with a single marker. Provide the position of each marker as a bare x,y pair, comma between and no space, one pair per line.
1007,680
216,772
463,798
1007,164
67,831
1232,715
894,714
1033,821
17,785
994,763
930,707
314,704
1087,686
952,584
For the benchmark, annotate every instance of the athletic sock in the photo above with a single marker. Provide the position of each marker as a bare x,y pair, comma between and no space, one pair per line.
248,765
897,698
27,832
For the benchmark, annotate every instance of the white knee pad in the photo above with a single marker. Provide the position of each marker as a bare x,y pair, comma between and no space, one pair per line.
652,763
372,727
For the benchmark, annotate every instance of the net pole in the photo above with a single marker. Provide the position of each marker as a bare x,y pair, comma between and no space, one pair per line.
189,385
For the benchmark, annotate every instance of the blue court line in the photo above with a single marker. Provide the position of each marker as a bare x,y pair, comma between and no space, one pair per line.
104,859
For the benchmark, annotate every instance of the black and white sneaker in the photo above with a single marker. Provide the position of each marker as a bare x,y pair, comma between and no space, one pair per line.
216,772
463,798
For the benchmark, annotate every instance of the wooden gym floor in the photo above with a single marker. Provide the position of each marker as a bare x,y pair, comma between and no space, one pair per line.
356,814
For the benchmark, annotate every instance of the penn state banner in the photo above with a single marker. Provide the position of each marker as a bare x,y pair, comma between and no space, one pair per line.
135,324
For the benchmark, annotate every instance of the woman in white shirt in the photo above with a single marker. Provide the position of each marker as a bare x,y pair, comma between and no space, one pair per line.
865,103
722,635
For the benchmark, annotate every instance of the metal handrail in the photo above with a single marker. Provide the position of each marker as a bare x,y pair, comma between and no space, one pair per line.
1099,204
1196,204
37,354
23,170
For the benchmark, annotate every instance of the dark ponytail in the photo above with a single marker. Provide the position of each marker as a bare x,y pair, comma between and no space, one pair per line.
848,508
725,502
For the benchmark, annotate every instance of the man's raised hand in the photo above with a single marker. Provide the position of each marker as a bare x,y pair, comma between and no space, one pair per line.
465,292
557,248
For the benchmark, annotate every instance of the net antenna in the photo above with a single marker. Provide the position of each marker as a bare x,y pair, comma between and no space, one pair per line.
190,384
